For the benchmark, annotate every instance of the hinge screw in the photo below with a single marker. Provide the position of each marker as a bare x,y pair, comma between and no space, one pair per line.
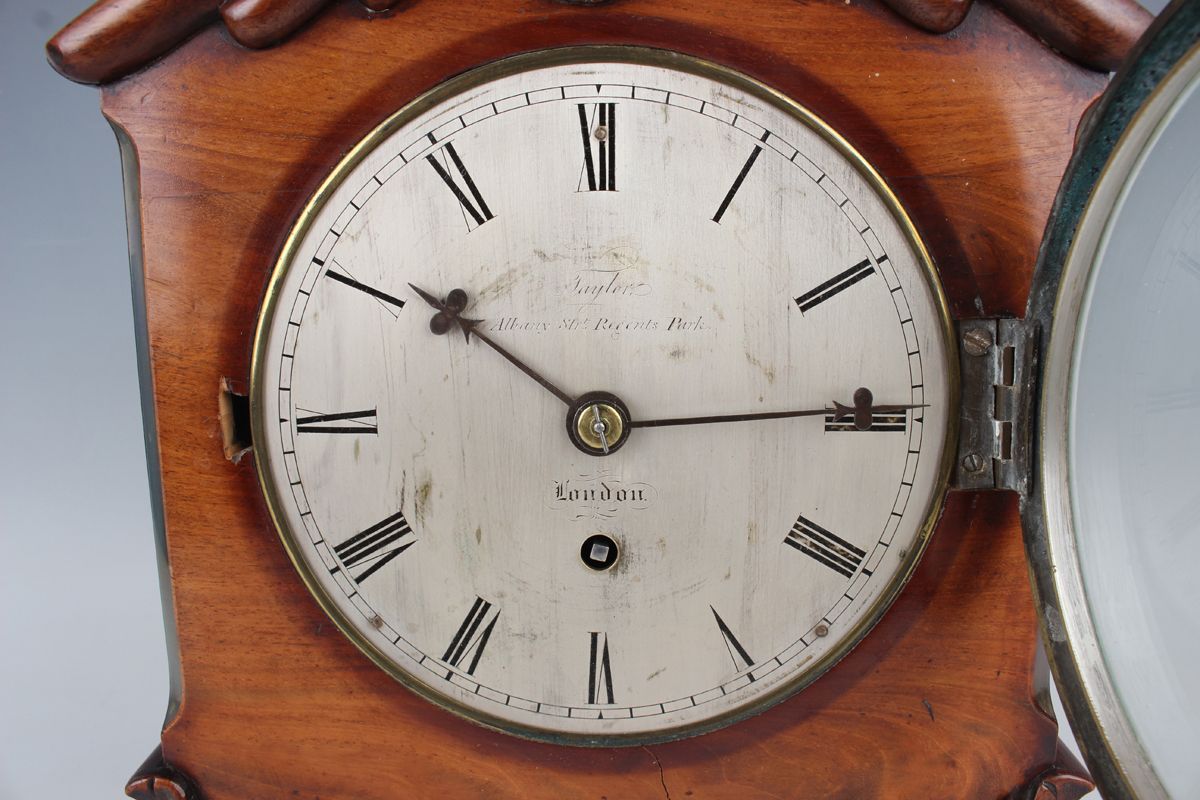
977,341
973,462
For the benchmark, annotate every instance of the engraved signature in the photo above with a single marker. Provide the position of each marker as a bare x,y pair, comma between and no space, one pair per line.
598,496
594,283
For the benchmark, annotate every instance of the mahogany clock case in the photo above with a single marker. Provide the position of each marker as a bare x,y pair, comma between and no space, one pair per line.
937,122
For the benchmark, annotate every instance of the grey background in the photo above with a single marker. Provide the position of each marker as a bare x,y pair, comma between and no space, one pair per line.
83,669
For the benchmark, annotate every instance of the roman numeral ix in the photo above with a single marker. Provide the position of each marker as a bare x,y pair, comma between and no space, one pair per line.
374,547
837,283
600,164
821,545
469,641
363,422
600,684
478,210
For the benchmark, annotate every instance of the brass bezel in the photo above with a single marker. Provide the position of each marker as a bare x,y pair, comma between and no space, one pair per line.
663,59
1104,162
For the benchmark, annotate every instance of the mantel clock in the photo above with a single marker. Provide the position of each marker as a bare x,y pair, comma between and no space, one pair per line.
613,395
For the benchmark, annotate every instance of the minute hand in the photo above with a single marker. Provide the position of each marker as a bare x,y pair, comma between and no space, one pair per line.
861,412
663,423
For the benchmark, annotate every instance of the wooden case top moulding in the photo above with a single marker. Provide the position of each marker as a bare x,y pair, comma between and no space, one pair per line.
972,129
113,37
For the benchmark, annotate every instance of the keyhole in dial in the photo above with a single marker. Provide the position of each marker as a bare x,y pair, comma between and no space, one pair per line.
599,552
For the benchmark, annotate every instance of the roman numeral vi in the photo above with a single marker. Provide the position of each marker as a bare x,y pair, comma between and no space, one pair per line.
600,684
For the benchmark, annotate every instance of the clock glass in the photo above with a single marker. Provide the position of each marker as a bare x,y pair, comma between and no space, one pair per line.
604,396
1120,392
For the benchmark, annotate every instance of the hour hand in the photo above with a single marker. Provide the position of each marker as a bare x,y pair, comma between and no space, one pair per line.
449,314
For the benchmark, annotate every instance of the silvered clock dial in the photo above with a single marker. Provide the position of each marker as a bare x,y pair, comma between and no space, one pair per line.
604,396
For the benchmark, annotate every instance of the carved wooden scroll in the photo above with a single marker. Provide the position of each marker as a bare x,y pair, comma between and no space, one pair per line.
1095,33
935,16
116,37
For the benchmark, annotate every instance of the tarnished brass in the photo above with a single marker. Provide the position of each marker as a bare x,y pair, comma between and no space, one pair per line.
597,419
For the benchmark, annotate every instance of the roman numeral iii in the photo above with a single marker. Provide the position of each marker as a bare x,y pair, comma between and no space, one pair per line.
824,547
470,640
478,211
880,421
374,547
598,126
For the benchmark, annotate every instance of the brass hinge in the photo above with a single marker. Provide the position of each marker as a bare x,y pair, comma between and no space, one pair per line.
996,361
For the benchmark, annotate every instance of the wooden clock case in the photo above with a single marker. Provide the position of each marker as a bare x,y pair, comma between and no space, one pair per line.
971,122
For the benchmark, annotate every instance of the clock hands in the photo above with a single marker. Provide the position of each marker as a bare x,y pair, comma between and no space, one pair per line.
450,312
861,412
598,422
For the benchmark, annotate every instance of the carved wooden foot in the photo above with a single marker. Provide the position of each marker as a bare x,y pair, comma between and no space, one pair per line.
156,780
1065,779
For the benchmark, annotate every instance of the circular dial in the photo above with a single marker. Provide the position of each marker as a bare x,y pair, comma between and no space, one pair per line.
602,395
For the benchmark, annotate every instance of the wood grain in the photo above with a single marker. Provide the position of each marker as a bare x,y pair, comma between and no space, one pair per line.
261,23
114,37
1066,779
1095,33
381,5
156,780
972,131
935,16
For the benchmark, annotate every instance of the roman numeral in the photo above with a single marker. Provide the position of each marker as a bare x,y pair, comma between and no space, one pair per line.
741,659
383,297
880,421
469,640
374,547
478,210
835,284
599,166
737,184
600,685
364,422
821,545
